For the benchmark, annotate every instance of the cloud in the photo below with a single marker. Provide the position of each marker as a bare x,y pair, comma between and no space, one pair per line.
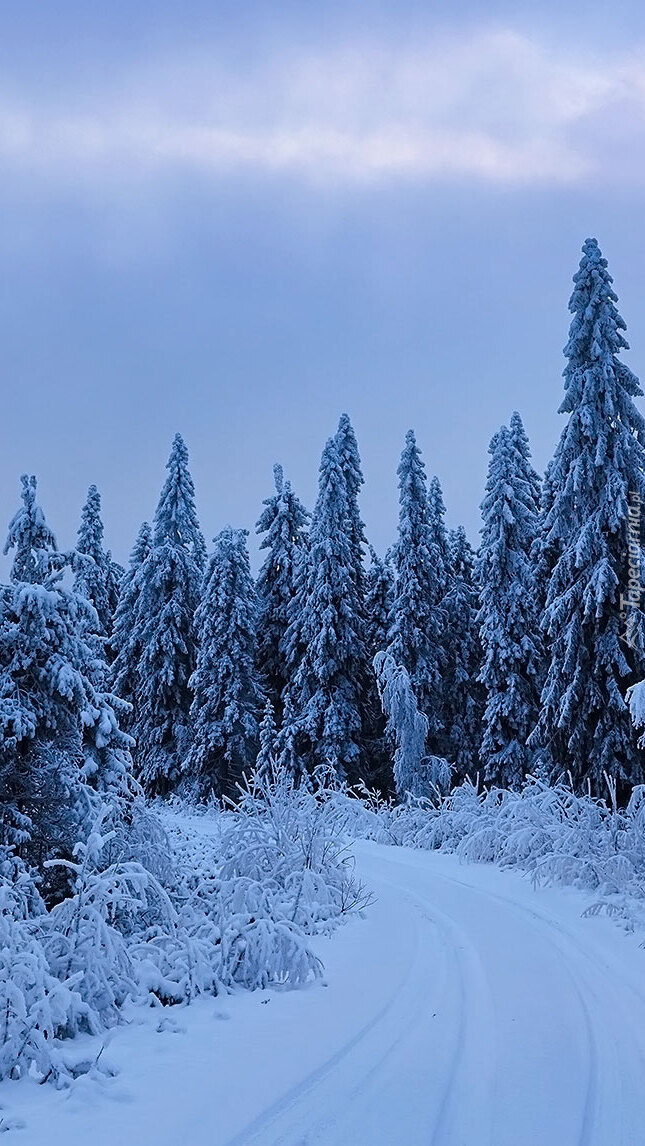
498,108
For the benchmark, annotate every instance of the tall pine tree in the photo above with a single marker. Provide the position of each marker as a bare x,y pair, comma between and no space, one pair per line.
227,698
30,537
60,732
95,575
324,641
170,584
284,522
379,588
126,634
463,694
508,618
437,523
594,532
377,771
416,618
350,464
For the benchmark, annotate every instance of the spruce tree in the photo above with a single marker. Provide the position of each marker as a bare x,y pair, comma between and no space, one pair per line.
350,464
31,538
379,587
377,770
60,732
520,440
437,523
95,573
407,728
267,757
594,532
416,617
284,522
508,618
127,630
324,641
227,698
287,739
170,584
463,693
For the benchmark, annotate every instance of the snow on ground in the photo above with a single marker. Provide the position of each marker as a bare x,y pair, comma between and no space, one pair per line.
466,1009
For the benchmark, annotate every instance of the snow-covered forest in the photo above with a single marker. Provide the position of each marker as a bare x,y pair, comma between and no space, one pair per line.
189,752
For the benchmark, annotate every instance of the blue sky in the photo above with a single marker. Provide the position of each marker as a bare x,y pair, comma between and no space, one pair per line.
240,219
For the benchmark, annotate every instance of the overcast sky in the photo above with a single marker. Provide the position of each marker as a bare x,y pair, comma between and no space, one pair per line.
239,219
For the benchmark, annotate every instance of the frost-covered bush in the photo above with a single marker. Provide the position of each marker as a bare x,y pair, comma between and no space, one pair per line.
263,876
162,908
36,1007
296,835
547,830
86,935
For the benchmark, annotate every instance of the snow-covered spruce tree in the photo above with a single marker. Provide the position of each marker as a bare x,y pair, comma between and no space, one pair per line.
60,732
287,740
227,698
416,614
415,774
545,552
463,706
324,641
95,574
437,523
377,767
520,440
96,579
126,633
30,537
379,589
407,728
510,632
267,757
284,522
594,529
350,464
164,629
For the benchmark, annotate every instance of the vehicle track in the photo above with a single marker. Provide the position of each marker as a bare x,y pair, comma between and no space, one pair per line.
505,1030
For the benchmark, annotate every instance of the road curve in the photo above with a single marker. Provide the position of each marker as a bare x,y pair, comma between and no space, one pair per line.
503,1021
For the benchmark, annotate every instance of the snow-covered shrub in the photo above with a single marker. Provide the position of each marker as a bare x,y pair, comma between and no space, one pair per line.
83,935
546,830
232,906
263,876
177,964
296,835
36,1007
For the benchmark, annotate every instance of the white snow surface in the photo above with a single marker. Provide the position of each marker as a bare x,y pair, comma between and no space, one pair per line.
465,1009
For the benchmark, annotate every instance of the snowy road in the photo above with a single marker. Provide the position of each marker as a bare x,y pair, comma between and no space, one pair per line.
497,1022
466,1010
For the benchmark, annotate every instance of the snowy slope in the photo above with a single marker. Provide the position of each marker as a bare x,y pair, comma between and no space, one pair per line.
465,1010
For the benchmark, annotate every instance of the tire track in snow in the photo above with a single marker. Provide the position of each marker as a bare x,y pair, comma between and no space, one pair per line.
461,1066
348,1089
289,1102
609,1116
429,1057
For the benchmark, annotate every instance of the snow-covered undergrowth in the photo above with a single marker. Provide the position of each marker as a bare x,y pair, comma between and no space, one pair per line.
176,906
547,830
